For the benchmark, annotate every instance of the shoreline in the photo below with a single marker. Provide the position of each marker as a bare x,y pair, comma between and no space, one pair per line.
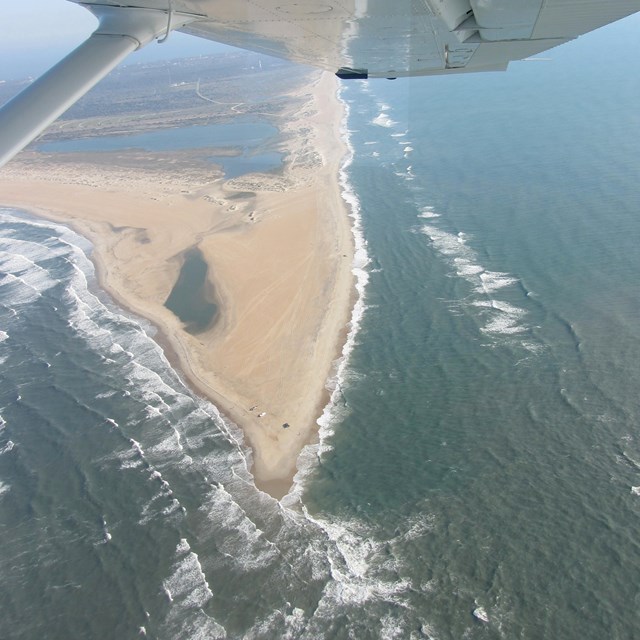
294,226
313,450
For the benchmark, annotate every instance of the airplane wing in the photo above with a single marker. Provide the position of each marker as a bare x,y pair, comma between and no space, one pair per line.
394,38
353,38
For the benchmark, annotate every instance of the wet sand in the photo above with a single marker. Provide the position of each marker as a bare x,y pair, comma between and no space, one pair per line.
279,252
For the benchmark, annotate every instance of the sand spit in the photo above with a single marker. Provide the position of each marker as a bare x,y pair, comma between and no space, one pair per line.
279,250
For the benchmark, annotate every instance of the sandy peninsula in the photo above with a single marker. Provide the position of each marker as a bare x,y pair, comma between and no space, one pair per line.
279,253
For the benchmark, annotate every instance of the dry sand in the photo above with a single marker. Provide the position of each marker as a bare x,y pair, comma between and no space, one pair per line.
279,250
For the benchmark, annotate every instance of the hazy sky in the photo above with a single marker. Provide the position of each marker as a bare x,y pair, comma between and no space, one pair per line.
35,34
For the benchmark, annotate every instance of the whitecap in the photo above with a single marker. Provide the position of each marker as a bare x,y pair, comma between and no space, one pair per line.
20,291
491,281
383,120
481,614
466,268
106,534
7,447
428,213
503,324
106,394
237,535
136,447
152,412
445,242
187,582
507,318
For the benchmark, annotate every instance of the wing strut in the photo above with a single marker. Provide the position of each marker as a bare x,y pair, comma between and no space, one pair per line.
121,31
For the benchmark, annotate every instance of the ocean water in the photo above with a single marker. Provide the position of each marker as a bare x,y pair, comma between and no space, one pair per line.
478,473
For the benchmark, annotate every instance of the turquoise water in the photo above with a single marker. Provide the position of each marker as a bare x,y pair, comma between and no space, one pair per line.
235,166
479,473
250,139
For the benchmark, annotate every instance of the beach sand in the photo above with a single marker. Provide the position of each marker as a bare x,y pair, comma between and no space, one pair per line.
279,250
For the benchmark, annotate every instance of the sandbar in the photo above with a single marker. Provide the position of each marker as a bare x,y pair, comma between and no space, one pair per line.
279,250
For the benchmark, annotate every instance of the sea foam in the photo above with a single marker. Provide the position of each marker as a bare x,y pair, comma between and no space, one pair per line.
383,120
502,318
7,447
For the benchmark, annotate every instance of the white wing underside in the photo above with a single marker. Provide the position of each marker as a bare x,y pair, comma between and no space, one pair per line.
393,38
353,38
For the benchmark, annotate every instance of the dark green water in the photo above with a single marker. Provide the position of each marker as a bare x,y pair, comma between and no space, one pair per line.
190,297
